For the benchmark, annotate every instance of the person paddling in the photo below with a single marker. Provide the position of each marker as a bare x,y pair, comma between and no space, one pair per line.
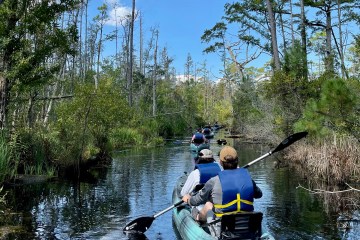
231,191
198,137
205,168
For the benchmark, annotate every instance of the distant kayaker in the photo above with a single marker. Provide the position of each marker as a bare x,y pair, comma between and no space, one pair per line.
206,130
198,137
206,167
232,191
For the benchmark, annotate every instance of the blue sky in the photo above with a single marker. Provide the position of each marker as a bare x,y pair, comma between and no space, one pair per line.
180,25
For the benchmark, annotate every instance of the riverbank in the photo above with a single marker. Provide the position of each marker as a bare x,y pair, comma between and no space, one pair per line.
335,161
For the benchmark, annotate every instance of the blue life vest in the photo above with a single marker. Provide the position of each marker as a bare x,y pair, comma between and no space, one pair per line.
207,171
237,191
199,138
207,130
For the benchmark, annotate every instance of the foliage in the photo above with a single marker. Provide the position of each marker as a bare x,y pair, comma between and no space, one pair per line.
224,112
251,18
336,110
36,149
354,57
24,56
191,95
120,137
5,159
290,95
295,62
245,105
85,122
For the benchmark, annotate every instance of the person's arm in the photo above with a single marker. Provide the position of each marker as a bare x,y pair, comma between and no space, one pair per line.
191,181
257,190
203,195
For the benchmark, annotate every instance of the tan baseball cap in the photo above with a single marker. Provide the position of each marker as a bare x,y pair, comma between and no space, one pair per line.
228,152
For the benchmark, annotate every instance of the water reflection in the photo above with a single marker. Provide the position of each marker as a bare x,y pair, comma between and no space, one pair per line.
139,182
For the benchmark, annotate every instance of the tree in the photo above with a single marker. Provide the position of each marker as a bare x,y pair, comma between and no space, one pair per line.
188,67
131,51
31,36
272,26
101,19
326,9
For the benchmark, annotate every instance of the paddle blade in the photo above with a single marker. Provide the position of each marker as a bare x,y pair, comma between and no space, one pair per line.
140,224
290,140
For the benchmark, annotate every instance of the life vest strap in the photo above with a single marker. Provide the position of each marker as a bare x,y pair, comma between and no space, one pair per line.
237,201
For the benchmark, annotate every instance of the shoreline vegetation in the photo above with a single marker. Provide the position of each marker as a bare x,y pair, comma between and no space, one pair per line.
64,107
335,161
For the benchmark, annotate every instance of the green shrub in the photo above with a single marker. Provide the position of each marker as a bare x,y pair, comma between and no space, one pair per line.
120,137
37,149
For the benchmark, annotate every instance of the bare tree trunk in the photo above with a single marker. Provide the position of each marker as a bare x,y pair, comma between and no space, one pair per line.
30,117
3,101
98,55
292,24
130,76
141,45
283,34
272,23
80,57
148,50
341,44
86,66
188,65
329,61
303,35
15,113
155,74
6,59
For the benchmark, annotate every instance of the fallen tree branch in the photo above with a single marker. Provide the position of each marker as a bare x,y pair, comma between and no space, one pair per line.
319,191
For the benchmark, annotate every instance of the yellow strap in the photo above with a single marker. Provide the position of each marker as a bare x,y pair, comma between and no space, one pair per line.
237,201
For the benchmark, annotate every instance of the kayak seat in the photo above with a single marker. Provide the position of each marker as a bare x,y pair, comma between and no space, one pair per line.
245,225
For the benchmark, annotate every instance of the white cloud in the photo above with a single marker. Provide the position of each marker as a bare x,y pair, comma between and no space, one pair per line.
118,14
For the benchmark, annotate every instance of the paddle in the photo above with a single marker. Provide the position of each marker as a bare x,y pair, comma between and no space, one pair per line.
142,224
285,143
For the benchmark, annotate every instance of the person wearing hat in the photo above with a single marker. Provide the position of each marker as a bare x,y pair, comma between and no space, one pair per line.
205,168
231,191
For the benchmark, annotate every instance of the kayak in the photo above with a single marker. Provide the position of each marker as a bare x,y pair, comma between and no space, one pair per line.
196,148
209,135
187,227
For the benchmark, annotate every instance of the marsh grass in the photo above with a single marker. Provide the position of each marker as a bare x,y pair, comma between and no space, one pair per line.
5,160
335,161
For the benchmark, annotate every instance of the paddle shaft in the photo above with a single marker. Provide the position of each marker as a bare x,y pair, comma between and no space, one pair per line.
258,159
168,209
285,143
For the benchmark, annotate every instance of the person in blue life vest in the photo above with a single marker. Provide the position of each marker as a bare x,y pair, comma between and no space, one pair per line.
231,191
205,168
206,130
198,137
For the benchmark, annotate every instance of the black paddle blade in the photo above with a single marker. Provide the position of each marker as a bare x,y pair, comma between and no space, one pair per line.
140,224
290,140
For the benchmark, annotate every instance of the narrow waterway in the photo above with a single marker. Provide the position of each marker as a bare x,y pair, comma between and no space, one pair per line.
140,182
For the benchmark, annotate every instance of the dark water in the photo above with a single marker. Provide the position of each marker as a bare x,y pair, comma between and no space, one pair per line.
140,182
